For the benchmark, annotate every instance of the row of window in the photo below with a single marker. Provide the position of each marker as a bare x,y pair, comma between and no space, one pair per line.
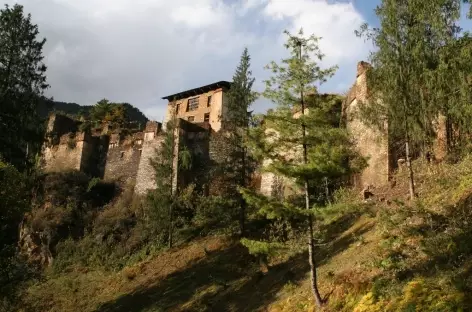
192,104
206,118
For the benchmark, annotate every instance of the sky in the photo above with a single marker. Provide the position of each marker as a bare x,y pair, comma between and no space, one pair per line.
138,51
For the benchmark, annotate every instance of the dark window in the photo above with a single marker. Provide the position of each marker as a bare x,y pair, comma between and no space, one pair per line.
122,154
140,152
191,118
177,108
209,101
206,117
192,104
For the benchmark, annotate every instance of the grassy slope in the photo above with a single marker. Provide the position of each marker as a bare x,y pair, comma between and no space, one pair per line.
222,278
217,274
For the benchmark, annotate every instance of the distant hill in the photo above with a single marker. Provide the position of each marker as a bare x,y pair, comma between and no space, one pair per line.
74,109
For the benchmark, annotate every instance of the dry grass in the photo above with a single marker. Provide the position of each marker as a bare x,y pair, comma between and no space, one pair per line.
83,290
217,274
351,275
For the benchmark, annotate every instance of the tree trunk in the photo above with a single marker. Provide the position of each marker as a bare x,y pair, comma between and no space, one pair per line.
312,261
242,211
173,175
171,230
311,254
242,217
411,181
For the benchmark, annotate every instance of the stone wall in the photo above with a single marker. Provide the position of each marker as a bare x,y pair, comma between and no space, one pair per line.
371,143
123,158
145,177
62,157
222,182
110,156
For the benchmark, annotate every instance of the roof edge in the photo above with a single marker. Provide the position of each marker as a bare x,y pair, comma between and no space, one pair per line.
199,90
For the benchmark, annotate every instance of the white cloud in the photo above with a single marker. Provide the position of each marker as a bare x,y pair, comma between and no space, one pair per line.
141,50
334,22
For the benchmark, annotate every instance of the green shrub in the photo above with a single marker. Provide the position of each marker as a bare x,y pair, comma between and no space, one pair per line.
215,212
14,202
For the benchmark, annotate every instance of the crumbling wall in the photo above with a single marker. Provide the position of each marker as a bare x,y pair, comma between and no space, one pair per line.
222,180
61,158
371,143
62,150
145,178
123,159
64,155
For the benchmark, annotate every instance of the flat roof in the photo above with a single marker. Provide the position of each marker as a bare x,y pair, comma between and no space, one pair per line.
197,91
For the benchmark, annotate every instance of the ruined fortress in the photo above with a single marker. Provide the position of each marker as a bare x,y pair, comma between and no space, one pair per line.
112,154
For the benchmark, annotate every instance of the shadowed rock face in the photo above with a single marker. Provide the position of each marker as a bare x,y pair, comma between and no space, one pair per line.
35,245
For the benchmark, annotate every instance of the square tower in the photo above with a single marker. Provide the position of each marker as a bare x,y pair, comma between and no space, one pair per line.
206,104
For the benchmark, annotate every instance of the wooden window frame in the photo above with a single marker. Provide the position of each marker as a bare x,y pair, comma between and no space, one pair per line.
193,103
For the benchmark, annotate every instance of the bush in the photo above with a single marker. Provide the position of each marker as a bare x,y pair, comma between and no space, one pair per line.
417,295
215,212
14,202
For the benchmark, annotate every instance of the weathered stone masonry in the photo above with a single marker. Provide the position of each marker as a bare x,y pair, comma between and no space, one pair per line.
112,156
371,143
126,158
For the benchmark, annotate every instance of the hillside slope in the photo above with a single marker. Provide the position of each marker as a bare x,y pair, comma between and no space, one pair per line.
386,254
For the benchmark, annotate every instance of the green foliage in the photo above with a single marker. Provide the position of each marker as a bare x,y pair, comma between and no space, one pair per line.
105,111
86,126
240,96
214,213
345,202
280,140
262,248
92,183
240,164
22,83
420,71
299,143
114,236
14,202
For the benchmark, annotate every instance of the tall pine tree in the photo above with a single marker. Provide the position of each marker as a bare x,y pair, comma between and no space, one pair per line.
403,83
240,97
299,143
22,83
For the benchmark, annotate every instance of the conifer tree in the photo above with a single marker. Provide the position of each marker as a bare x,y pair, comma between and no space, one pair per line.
22,83
299,142
240,97
403,83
